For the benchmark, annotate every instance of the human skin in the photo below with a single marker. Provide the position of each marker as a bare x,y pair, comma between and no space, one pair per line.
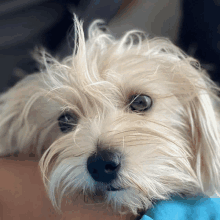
23,196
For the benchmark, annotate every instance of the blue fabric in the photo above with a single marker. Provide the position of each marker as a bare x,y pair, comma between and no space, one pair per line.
146,218
199,208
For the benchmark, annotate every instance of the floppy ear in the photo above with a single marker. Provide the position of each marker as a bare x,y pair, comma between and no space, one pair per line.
26,117
203,115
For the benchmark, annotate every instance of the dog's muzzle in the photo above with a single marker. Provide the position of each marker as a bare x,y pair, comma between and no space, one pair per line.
103,167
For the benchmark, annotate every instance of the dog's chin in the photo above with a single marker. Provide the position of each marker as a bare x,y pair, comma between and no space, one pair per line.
101,192
112,195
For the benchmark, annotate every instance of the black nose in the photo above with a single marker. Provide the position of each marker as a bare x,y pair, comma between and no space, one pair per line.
103,166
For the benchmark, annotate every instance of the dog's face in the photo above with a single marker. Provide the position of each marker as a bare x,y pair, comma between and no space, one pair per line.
122,123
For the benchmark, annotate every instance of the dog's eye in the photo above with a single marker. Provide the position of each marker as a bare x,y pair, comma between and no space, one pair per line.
140,103
67,122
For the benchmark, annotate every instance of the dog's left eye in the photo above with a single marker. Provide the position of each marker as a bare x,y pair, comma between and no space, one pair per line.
140,103
67,122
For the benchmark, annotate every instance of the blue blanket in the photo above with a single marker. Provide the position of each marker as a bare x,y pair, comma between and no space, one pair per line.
197,208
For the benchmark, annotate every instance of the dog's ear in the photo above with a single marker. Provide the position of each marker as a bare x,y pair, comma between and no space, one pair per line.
26,116
203,118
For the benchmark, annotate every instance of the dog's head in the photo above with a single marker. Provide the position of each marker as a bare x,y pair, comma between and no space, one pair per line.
126,121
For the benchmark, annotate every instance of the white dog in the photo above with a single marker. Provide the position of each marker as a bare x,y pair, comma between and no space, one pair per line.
125,122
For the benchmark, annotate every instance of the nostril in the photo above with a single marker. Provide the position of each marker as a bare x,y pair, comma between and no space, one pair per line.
110,168
94,171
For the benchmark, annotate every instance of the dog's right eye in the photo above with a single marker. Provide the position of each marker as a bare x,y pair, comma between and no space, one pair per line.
67,121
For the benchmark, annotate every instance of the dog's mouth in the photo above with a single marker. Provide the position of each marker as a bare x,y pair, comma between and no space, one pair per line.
103,189
111,188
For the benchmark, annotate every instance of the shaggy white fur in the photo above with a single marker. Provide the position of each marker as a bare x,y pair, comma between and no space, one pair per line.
170,148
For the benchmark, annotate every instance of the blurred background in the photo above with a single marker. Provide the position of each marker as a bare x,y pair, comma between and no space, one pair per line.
194,25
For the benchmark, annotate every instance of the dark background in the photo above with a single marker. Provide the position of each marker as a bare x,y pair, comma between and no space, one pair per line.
27,23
